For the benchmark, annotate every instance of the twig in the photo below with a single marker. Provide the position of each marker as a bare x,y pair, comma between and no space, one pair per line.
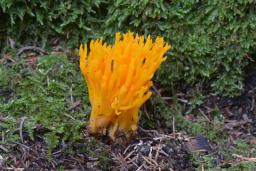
128,155
71,94
146,111
150,152
15,169
157,91
158,149
11,42
154,162
20,129
121,160
139,168
204,115
69,116
7,56
182,100
154,132
159,94
74,105
149,161
3,148
173,127
250,58
23,145
164,153
167,98
202,168
132,161
127,148
253,104
245,158
79,161
31,48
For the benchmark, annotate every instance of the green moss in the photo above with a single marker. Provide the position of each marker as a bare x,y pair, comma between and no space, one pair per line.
44,96
240,148
211,40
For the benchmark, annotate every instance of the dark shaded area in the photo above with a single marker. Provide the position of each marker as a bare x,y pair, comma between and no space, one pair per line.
146,152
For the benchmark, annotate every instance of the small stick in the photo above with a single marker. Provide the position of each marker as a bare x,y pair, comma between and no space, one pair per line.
245,158
152,160
253,104
148,161
173,127
9,58
3,148
139,168
159,94
158,149
69,116
31,48
23,145
204,115
202,168
74,105
71,94
127,148
128,155
21,126
154,132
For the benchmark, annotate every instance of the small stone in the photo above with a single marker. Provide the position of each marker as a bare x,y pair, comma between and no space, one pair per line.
145,149
168,150
198,144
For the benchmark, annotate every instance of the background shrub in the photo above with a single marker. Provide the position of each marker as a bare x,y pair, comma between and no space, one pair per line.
211,40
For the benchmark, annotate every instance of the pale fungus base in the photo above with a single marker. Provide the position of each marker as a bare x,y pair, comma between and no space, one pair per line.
118,78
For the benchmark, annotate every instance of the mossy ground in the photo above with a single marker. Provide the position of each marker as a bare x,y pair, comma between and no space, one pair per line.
44,109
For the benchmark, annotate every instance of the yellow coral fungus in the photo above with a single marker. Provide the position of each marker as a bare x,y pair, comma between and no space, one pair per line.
118,79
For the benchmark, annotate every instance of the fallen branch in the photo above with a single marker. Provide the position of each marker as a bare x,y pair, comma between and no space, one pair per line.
4,149
20,129
31,48
245,158
204,115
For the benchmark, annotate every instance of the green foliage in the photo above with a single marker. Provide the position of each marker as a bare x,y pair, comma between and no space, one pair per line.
241,147
8,129
5,76
44,96
36,21
210,39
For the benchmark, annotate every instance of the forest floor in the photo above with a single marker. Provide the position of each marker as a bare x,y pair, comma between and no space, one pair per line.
44,109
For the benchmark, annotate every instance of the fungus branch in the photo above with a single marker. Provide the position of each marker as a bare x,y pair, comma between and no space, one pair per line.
118,78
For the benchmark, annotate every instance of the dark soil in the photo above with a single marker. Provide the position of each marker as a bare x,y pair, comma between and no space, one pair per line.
147,152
